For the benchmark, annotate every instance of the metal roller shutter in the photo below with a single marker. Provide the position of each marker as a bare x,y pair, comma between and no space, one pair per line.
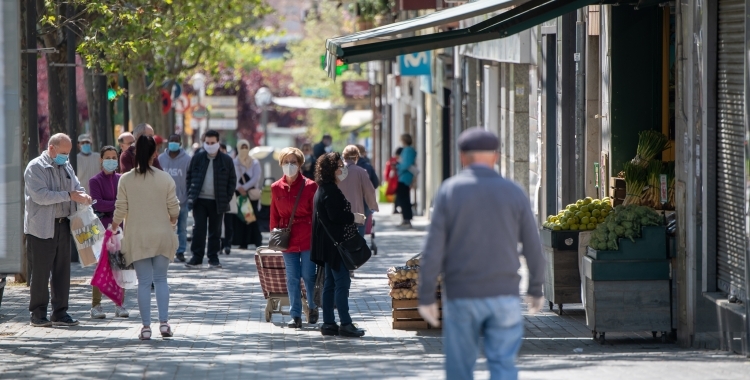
730,176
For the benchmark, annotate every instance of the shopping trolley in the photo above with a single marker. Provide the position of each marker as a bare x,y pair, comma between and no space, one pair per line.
272,273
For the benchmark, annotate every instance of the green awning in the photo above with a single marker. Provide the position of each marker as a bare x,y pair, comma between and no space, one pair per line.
525,15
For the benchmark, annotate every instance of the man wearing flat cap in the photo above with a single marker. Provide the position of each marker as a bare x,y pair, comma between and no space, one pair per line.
478,220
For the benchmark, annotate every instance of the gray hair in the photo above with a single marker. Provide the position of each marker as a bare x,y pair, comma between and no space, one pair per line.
140,129
58,138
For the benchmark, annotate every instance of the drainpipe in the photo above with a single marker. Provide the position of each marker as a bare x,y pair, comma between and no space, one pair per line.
580,104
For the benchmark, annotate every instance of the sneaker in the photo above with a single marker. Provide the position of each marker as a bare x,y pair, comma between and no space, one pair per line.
166,330
97,312
179,257
351,331
67,320
193,265
40,322
214,265
121,312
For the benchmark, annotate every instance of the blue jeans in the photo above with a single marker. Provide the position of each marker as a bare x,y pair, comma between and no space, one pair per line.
182,229
336,289
148,271
498,319
298,265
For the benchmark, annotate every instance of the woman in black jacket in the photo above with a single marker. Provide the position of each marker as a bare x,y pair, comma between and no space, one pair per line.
333,211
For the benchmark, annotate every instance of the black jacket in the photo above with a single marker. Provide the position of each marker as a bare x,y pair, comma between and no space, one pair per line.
364,163
329,208
225,179
319,149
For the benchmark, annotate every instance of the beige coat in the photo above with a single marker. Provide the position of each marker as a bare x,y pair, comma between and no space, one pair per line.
146,204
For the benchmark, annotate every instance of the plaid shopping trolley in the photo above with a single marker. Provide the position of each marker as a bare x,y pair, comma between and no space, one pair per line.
272,273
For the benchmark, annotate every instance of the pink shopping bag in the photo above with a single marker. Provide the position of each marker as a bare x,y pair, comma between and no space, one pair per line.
104,278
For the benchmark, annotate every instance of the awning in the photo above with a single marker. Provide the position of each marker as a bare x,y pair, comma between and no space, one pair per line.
304,103
526,14
355,119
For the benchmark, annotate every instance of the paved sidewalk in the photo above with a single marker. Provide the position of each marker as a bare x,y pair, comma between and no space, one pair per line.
221,333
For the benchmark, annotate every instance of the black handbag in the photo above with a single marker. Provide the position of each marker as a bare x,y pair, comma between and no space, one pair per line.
279,238
354,251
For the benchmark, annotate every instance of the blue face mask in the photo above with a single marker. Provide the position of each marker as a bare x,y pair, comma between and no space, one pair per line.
174,146
86,148
110,165
61,159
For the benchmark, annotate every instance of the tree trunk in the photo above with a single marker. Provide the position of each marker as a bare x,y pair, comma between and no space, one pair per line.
145,105
92,102
57,79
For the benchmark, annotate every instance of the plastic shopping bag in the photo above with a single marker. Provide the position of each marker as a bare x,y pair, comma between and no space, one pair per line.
104,278
123,274
245,209
88,234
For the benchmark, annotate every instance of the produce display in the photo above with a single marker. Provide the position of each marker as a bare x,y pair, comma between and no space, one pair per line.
404,280
583,215
650,144
623,222
643,173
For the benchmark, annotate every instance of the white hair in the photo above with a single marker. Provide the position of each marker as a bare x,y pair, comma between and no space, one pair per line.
58,138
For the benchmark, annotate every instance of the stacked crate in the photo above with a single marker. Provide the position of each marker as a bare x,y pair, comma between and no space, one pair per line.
403,283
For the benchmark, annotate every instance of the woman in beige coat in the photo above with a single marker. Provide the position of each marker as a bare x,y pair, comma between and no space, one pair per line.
147,202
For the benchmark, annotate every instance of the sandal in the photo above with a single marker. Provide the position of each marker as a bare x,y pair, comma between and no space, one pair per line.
165,330
145,333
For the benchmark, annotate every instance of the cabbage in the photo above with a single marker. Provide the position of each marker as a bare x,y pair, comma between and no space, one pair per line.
620,230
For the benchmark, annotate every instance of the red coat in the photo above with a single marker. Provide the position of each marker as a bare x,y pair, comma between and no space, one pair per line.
391,176
282,203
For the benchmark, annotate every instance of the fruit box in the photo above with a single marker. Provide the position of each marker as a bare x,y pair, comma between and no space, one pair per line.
652,245
560,240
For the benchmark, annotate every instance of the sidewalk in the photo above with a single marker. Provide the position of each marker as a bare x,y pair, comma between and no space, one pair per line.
221,333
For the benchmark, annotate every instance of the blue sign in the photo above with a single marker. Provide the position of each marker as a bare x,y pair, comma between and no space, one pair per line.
415,64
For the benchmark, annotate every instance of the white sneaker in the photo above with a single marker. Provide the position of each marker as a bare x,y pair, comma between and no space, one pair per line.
97,313
121,312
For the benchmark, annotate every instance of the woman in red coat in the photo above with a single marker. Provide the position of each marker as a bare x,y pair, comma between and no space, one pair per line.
284,193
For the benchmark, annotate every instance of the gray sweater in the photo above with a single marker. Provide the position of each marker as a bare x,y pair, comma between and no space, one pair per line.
177,168
478,220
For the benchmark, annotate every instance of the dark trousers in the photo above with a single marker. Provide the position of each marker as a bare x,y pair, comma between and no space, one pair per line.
50,256
403,200
207,221
336,292
226,241
247,234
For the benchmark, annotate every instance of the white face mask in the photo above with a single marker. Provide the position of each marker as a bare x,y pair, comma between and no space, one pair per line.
290,170
344,173
211,149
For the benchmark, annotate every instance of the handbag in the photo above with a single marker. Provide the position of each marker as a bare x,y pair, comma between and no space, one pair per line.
233,205
279,239
254,193
245,210
354,252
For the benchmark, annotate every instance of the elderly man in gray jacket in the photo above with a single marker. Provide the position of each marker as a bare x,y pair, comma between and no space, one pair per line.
478,221
51,192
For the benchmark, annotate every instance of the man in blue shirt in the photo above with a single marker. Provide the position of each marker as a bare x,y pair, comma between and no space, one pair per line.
406,170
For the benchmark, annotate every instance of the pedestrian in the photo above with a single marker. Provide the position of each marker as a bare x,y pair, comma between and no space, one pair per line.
227,233
176,163
52,191
104,192
323,147
147,202
127,158
308,168
479,219
249,173
89,163
364,163
356,186
334,213
391,177
406,168
211,182
284,195
125,140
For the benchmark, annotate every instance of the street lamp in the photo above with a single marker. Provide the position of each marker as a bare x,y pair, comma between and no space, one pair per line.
263,100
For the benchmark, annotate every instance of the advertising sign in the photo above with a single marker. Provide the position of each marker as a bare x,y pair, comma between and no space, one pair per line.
415,64
356,88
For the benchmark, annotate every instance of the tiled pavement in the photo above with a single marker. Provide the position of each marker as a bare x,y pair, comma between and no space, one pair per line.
220,332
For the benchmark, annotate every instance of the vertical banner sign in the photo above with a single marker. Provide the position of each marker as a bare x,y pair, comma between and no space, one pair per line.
415,64
663,188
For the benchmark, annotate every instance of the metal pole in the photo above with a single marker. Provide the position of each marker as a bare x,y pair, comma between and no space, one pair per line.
457,103
264,124
70,38
31,107
125,105
580,106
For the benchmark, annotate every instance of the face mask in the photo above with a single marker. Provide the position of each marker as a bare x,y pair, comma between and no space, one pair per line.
290,170
173,146
110,165
211,149
61,159
86,148
244,152
344,173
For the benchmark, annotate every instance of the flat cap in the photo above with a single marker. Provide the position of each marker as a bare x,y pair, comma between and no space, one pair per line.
477,139
84,137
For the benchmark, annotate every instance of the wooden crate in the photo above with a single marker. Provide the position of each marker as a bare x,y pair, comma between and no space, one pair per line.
562,282
624,306
406,316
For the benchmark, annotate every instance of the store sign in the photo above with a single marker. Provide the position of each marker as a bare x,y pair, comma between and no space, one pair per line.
417,5
415,64
356,88
222,124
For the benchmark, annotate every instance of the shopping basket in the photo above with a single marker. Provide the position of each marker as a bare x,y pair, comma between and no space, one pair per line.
272,273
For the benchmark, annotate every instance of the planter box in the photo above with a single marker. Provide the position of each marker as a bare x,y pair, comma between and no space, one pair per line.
625,306
625,270
652,245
